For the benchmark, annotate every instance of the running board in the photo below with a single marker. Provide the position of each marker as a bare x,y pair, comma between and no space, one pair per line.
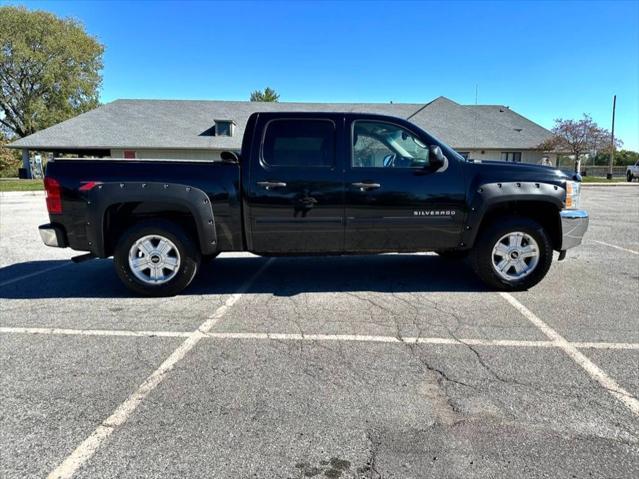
83,257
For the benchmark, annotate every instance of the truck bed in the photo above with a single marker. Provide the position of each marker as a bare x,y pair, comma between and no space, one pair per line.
218,180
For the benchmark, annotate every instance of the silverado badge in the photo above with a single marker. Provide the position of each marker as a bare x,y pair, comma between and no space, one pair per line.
434,213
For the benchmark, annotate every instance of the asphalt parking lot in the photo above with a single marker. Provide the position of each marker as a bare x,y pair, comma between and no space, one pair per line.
391,366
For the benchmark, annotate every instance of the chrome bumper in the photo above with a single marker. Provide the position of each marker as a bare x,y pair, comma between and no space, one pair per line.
574,224
53,236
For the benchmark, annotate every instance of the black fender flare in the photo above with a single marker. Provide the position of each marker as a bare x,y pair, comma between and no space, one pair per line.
491,195
104,195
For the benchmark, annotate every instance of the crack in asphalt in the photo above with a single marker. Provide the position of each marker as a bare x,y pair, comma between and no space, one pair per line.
412,347
370,469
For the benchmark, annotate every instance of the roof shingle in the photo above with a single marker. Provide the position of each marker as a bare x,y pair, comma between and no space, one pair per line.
183,124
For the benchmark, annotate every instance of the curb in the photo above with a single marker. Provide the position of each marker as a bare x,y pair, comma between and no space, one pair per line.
19,194
584,185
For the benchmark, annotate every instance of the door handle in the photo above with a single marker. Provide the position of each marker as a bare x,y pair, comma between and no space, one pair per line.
366,186
269,185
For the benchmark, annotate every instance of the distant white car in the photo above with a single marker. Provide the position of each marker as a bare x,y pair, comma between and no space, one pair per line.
632,171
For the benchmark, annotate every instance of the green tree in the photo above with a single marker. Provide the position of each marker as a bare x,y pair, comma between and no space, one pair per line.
267,95
9,160
622,158
49,70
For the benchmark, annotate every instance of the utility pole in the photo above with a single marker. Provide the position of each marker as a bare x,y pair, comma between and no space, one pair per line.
612,139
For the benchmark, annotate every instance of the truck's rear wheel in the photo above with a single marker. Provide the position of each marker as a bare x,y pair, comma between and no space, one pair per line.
512,254
156,258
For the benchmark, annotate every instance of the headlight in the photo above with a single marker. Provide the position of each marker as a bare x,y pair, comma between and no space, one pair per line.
573,194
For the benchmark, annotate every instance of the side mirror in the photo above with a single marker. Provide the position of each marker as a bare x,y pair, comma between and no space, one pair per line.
230,157
437,158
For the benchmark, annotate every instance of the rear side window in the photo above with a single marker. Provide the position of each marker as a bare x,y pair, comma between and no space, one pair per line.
299,143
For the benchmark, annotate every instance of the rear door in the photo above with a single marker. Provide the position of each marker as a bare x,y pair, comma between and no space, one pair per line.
296,187
394,200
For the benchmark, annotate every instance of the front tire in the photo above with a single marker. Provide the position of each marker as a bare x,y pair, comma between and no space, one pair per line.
156,258
512,254
629,177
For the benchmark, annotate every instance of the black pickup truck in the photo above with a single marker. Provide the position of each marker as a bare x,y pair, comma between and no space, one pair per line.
315,183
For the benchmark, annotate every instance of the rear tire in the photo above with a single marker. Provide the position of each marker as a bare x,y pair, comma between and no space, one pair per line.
512,254
156,258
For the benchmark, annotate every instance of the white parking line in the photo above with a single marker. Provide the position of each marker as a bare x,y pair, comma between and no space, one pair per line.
95,332
604,345
90,445
591,368
418,340
35,273
379,339
318,337
616,247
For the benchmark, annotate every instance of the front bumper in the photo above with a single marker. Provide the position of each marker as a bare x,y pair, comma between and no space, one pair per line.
53,235
574,224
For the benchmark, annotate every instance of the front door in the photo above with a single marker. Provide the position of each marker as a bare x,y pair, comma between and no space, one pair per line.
296,187
394,200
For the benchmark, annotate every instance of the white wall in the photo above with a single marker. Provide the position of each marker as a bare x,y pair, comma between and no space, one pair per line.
527,156
203,155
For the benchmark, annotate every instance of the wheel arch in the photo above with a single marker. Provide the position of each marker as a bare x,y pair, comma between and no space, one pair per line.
113,207
540,202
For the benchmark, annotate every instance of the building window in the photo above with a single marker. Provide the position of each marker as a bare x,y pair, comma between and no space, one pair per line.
514,156
129,154
224,127
299,143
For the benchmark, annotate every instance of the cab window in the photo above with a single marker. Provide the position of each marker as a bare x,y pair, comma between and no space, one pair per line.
378,144
299,143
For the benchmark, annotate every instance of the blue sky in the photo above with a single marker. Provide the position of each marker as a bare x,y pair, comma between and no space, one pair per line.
543,59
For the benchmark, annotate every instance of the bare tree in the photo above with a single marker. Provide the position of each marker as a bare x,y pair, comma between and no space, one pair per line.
578,137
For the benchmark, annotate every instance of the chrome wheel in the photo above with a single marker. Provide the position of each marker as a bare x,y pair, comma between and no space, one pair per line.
154,259
515,256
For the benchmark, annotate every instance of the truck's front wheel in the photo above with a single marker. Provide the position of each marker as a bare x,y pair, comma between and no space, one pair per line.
512,254
156,258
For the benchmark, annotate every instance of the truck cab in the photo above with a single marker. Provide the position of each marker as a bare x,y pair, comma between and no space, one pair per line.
337,183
